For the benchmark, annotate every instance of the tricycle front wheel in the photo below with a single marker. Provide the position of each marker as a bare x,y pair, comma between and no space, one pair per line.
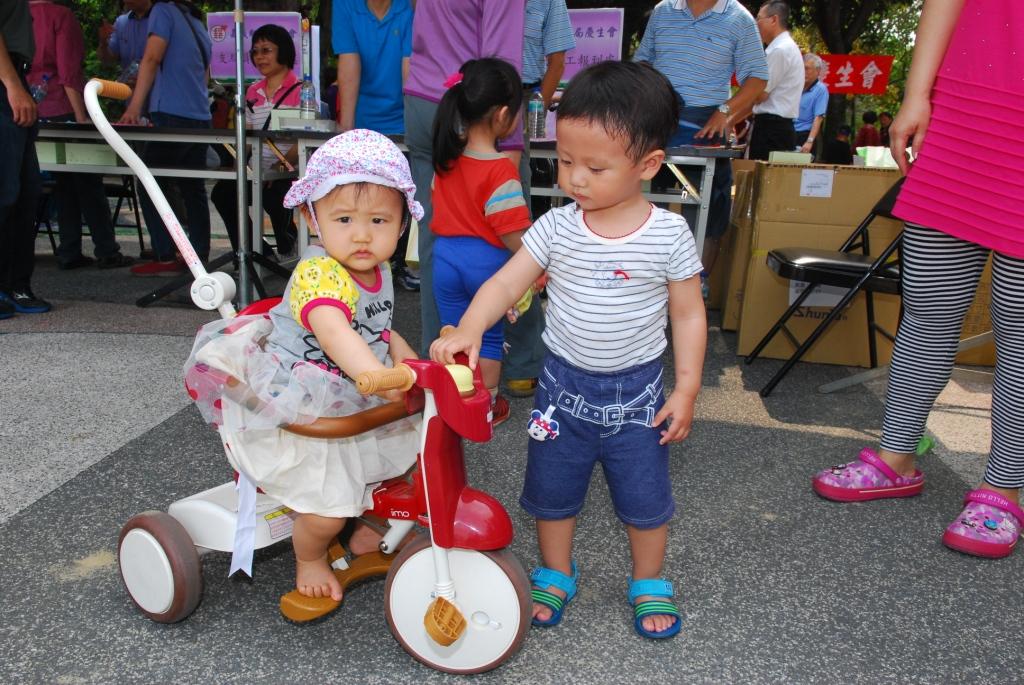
491,590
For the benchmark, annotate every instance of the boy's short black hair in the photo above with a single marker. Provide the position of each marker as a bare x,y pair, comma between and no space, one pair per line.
633,101
869,117
844,130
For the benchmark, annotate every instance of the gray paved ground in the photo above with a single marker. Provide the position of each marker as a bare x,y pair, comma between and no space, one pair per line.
775,584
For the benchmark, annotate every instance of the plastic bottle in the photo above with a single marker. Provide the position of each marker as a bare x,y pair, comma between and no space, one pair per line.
309,106
39,90
536,116
130,73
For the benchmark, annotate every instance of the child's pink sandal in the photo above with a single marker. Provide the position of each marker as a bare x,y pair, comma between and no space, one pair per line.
988,526
865,479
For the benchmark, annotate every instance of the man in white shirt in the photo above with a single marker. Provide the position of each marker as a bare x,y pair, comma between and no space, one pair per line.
779,104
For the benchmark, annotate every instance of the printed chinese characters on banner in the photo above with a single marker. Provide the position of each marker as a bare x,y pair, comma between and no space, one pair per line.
598,34
856,74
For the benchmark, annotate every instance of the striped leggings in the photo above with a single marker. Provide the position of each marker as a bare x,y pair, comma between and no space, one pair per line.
940,274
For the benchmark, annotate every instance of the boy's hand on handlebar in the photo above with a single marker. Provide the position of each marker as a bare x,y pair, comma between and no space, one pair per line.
444,349
679,408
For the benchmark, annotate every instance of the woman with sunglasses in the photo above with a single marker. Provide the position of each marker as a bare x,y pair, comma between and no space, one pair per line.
273,54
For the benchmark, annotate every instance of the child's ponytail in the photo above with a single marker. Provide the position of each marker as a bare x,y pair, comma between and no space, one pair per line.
480,88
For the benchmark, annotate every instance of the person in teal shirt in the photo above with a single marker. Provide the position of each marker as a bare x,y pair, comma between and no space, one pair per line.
373,41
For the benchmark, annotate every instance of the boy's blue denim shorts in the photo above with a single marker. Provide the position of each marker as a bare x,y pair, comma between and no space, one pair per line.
598,417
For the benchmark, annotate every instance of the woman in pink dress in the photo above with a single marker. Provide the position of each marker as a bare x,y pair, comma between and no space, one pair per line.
963,199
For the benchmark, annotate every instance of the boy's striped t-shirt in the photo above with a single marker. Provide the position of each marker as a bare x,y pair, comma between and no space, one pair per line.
608,297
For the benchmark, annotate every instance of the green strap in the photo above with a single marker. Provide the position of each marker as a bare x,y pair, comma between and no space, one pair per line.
548,599
655,607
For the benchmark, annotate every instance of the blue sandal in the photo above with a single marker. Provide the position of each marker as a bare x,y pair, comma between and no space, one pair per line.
547,578
653,607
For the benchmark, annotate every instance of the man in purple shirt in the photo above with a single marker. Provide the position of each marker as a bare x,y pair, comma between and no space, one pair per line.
60,53
446,34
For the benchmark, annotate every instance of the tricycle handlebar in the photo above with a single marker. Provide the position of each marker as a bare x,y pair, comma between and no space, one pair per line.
401,377
113,89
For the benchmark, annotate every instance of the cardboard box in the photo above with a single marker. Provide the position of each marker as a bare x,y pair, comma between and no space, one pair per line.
978,321
50,151
733,264
718,282
739,164
93,154
767,296
818,194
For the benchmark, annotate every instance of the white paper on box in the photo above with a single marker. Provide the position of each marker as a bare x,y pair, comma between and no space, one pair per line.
816,182
823,295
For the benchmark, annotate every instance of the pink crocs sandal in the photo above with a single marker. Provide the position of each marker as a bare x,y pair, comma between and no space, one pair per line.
988,526
866,479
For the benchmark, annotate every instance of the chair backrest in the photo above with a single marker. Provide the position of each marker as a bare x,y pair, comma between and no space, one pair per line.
885,205
859,239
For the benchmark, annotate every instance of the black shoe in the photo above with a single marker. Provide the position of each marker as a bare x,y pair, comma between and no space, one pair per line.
407,280
25,302
6,309
76,263
114,261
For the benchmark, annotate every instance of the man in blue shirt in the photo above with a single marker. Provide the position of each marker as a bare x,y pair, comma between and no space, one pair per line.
813,104
547,36
699,45
125,41
373,41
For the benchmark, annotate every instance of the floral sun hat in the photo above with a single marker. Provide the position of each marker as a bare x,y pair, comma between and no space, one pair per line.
357,156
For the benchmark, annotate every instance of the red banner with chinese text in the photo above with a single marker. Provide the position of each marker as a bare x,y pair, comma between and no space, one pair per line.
856,74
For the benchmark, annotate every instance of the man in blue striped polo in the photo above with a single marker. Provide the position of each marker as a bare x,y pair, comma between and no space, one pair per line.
699,45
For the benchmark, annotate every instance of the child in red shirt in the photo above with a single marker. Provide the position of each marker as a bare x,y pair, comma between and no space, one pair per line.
480,213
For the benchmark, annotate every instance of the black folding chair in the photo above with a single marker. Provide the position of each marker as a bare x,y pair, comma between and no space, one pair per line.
43,212
124,192
850,267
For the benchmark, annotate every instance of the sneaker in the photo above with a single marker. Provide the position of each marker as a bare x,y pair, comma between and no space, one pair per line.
76,263
164,269
500,411
114,261
25,302
6,309
521,387
407,280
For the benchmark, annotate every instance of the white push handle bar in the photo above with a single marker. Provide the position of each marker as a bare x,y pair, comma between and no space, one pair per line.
209,291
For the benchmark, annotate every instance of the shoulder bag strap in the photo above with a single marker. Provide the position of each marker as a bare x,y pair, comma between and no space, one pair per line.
199,45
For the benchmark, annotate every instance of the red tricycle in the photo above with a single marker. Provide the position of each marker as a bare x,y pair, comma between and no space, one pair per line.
455,598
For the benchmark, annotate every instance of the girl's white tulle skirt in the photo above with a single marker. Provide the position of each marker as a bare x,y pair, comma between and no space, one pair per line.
248,393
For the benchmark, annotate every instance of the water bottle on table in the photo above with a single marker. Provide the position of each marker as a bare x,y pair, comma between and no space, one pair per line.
309,105
536,116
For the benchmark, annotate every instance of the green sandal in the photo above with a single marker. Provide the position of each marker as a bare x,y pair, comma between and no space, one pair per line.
547,578
654,587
